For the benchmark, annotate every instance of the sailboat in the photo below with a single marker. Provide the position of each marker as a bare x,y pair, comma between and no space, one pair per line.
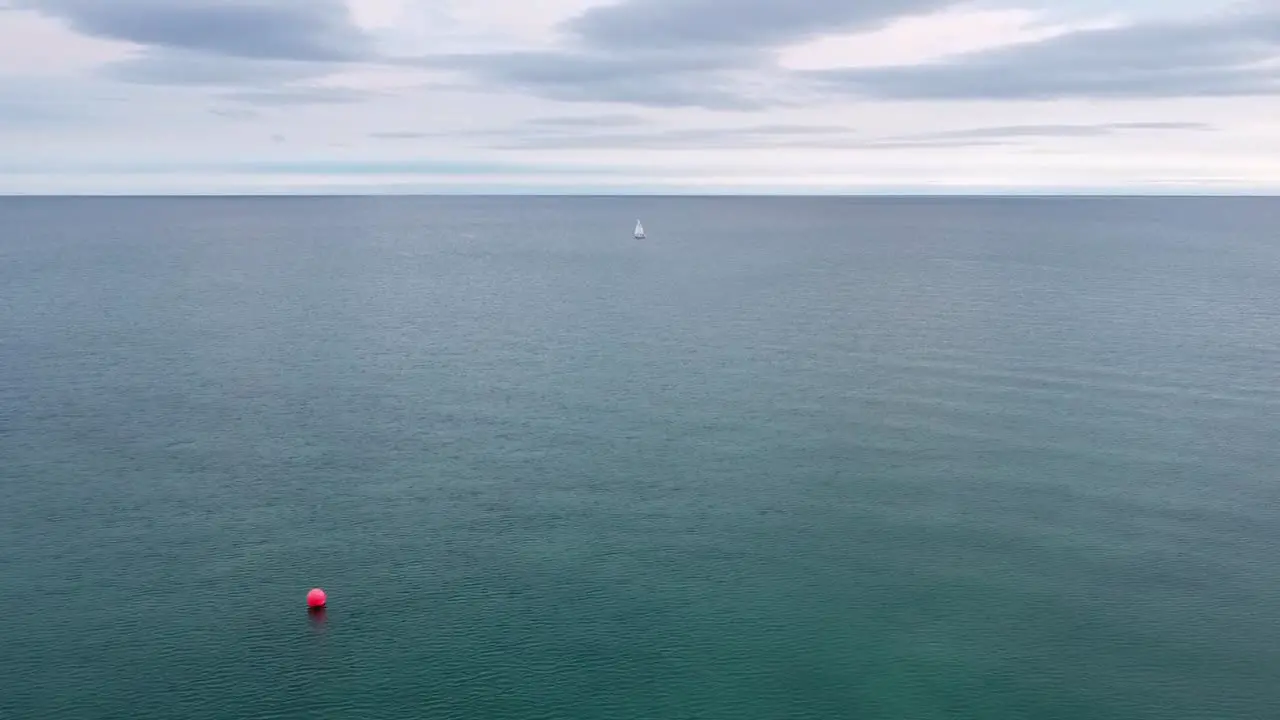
639,234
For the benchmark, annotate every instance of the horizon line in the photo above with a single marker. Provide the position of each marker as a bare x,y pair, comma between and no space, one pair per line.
887,194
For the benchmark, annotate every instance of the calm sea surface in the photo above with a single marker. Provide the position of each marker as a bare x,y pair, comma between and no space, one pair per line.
787,458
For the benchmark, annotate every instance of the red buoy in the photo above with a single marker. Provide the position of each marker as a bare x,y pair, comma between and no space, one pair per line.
315,598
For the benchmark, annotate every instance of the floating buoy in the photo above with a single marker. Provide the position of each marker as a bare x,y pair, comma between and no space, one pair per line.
315,598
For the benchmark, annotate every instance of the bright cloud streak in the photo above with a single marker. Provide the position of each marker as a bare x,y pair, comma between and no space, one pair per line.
929,38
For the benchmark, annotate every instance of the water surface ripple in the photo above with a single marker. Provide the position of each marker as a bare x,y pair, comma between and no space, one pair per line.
788,458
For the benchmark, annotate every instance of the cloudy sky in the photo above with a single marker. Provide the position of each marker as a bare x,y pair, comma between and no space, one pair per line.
639,95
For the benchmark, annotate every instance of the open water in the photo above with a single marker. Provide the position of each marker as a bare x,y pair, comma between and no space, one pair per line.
899,459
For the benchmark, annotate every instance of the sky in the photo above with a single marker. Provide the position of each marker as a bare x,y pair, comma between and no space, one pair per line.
604,96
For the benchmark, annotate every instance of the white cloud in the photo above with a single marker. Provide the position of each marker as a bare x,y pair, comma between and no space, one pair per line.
32,45
931,37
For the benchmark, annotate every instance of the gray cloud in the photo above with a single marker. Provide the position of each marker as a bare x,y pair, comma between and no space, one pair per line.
176,67
696,138
1233,54
310,30
401,135
924,144
813,137
258,51
699,53
678,53
806,130
721,140
235,113
544,125
610,120
1009,135
240,80
575,133
694,78
299,95
666,24
1055,131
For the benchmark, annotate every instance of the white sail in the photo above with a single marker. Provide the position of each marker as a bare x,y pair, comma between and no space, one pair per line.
639,230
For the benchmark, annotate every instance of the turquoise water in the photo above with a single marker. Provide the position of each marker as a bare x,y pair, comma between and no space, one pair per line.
786,458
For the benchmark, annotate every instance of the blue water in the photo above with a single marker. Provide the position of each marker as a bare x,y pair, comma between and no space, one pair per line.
907,459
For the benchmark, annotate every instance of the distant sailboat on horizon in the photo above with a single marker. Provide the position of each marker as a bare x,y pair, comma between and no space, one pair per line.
639,233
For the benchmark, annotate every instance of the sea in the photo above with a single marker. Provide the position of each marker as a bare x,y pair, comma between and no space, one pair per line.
919,458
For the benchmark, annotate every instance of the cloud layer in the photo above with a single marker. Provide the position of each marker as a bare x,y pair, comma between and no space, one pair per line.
1220,56
745,24
265,29
693,52
988,92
